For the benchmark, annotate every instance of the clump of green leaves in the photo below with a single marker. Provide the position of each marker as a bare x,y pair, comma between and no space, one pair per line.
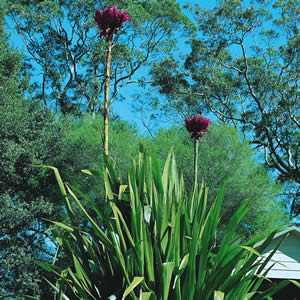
153,241
225,156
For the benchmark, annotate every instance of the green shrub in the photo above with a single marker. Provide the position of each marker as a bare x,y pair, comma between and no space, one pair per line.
153,241
225,156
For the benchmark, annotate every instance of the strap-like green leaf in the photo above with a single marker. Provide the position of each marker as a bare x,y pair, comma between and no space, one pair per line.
145,295
96,173
251,250
218,295
98,230
296,283
59,224
135,282
167,271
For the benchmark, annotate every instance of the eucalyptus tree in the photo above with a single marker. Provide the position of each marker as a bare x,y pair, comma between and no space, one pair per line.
28,135
243,66
67,57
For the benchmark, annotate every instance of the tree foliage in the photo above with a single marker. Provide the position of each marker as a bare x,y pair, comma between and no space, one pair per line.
82,149
28,135
68,58
244,67
223,157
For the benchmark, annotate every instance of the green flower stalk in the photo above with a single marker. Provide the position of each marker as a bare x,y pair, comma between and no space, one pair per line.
109,22
106,95
196,149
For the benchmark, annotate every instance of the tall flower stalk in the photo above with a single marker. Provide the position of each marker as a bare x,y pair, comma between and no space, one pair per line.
109,22
196,126
196,150
106,95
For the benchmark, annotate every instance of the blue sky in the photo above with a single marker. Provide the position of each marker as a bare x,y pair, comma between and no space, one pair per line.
123,109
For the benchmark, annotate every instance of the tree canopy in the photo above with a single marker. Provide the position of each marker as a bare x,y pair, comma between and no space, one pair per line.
244,68
28,136
223,157
67,56
50,98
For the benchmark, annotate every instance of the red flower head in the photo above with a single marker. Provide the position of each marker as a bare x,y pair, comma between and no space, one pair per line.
196,126
111,20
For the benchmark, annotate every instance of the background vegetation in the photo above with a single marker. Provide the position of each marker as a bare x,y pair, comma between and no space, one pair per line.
51,106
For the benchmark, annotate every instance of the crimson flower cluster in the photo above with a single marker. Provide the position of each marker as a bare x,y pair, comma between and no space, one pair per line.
197,126
110,20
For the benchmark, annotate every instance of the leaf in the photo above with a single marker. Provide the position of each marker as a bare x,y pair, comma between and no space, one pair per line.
91,202
110,174
135,282
149,265
117,212
182,266
68,228
119,254
97,229
251,250
296,283
56,289
60,184
108,188
218,295
96,173
57,175
80,271
271,291
147,213
122,189
249,296
145,295
167,271
81,289
49,267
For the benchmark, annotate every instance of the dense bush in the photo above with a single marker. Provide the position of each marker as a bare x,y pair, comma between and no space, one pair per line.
225,156
153,241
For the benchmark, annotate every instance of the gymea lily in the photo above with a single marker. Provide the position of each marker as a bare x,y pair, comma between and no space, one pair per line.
109,22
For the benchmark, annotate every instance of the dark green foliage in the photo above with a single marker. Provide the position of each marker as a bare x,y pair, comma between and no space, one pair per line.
156,242
224,157
28,135
27,193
